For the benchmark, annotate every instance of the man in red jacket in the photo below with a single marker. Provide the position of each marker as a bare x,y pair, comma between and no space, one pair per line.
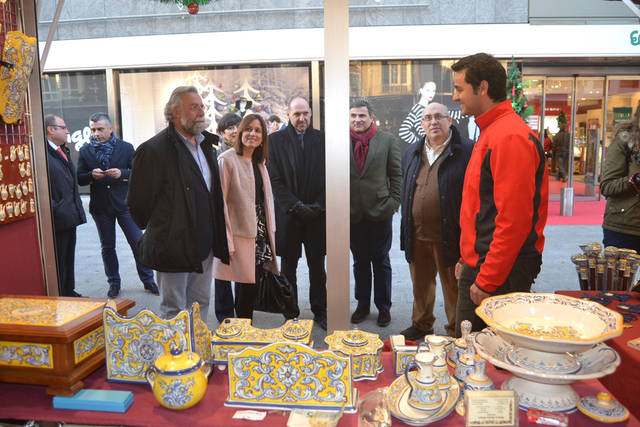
505,192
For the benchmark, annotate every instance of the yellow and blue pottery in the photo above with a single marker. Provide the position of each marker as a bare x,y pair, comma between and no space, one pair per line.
178,379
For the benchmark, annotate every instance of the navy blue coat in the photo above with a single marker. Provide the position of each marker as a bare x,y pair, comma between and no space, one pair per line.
450,179
66,205
108,195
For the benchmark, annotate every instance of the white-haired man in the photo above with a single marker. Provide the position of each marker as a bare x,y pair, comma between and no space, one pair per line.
175,196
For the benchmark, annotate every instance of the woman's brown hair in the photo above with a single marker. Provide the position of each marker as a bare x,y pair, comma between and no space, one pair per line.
261,153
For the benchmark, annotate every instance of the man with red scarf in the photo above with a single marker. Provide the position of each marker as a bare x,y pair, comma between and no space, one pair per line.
376,185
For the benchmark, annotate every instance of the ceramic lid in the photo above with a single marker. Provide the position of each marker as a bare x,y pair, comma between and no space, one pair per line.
354,342
295,330
228,329
178,362
603,408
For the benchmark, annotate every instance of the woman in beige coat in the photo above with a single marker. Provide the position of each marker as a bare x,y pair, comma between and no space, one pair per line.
249,213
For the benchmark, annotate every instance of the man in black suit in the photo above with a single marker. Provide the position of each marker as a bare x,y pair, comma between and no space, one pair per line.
66,207
297,171
105,164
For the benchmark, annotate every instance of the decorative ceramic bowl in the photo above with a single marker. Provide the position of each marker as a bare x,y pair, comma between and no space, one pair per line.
364,349
549,322
542,379
178,379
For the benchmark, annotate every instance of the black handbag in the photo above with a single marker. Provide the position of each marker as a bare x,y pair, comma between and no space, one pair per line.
275,295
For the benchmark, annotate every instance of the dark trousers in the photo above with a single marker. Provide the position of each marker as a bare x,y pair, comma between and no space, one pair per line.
106,224
223,300
370,245
620,240
520,279
245,296
317,279
65,241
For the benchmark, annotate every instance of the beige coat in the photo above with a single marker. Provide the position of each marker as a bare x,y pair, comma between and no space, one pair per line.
238,191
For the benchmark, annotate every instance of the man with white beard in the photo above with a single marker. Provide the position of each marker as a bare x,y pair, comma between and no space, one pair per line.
176,197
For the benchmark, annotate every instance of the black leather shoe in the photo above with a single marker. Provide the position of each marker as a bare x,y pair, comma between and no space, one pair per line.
414,334
152,287
384,318
321,321
359,315
114,290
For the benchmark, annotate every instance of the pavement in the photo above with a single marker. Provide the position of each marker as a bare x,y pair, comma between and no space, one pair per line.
557,273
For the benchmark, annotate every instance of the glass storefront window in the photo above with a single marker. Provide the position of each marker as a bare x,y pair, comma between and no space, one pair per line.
558,93
262,90
587,152
74,97
623,95
398,91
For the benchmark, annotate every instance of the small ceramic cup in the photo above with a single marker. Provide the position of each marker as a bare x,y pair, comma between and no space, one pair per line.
425,394
440,370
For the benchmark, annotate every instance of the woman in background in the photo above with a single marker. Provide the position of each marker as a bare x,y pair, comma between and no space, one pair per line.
249,213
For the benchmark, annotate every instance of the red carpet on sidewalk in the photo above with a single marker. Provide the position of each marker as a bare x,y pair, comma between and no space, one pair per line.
584,213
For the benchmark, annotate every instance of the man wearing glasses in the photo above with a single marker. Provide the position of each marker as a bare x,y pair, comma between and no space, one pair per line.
176,197
66,206
433,173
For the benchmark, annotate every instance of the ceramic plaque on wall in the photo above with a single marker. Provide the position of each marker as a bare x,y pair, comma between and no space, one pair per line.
133,344
235,334
288,375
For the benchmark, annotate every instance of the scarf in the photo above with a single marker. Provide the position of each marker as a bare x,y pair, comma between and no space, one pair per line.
103,150
362,144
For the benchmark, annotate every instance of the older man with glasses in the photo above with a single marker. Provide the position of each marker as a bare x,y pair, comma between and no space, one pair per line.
433,174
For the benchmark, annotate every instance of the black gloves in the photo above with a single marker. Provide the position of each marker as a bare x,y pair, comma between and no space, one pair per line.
305,213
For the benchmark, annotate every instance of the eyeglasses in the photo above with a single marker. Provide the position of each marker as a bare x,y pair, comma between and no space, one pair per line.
58,126
436,117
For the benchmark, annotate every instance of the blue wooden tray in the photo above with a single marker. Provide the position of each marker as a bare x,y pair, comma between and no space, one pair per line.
96,400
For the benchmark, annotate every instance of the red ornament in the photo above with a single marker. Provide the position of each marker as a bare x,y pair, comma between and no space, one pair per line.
259,108
234,97
193,8
219,84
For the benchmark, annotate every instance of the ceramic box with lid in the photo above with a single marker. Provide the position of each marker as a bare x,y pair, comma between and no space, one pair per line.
52,341
364,350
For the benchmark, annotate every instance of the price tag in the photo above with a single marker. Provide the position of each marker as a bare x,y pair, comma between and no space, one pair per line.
491,408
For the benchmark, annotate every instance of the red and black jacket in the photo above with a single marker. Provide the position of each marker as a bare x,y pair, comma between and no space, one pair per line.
505,197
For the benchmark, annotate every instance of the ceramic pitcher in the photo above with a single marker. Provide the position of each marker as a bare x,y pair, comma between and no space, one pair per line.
440,369
460,344
425,394
478,379
465,361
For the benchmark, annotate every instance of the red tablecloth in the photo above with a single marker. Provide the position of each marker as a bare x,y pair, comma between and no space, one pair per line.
624,383
26,402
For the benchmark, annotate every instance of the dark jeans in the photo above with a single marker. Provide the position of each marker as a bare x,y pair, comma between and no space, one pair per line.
106,224
223,300
520,279
317,279
65,244
562,166
621,240
370,245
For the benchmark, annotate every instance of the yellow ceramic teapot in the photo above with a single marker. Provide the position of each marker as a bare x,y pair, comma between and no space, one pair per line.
178,379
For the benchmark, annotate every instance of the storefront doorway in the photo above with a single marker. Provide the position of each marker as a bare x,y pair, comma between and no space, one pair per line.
601,102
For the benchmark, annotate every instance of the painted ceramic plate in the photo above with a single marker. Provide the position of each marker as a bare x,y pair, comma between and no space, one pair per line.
397,396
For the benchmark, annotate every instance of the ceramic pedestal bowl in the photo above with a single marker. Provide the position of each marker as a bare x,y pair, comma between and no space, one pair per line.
550,323
542,379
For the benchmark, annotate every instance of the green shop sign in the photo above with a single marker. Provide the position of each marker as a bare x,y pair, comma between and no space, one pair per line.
635,38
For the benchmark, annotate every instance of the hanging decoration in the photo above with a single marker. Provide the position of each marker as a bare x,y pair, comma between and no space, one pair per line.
193,6
515,92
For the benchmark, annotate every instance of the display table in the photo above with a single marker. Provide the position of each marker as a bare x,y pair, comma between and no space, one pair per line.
26,402
624,383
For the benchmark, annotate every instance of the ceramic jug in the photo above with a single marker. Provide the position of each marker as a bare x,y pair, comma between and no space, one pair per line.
478,379
425,394
440,369
465,361
178,379
460,344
